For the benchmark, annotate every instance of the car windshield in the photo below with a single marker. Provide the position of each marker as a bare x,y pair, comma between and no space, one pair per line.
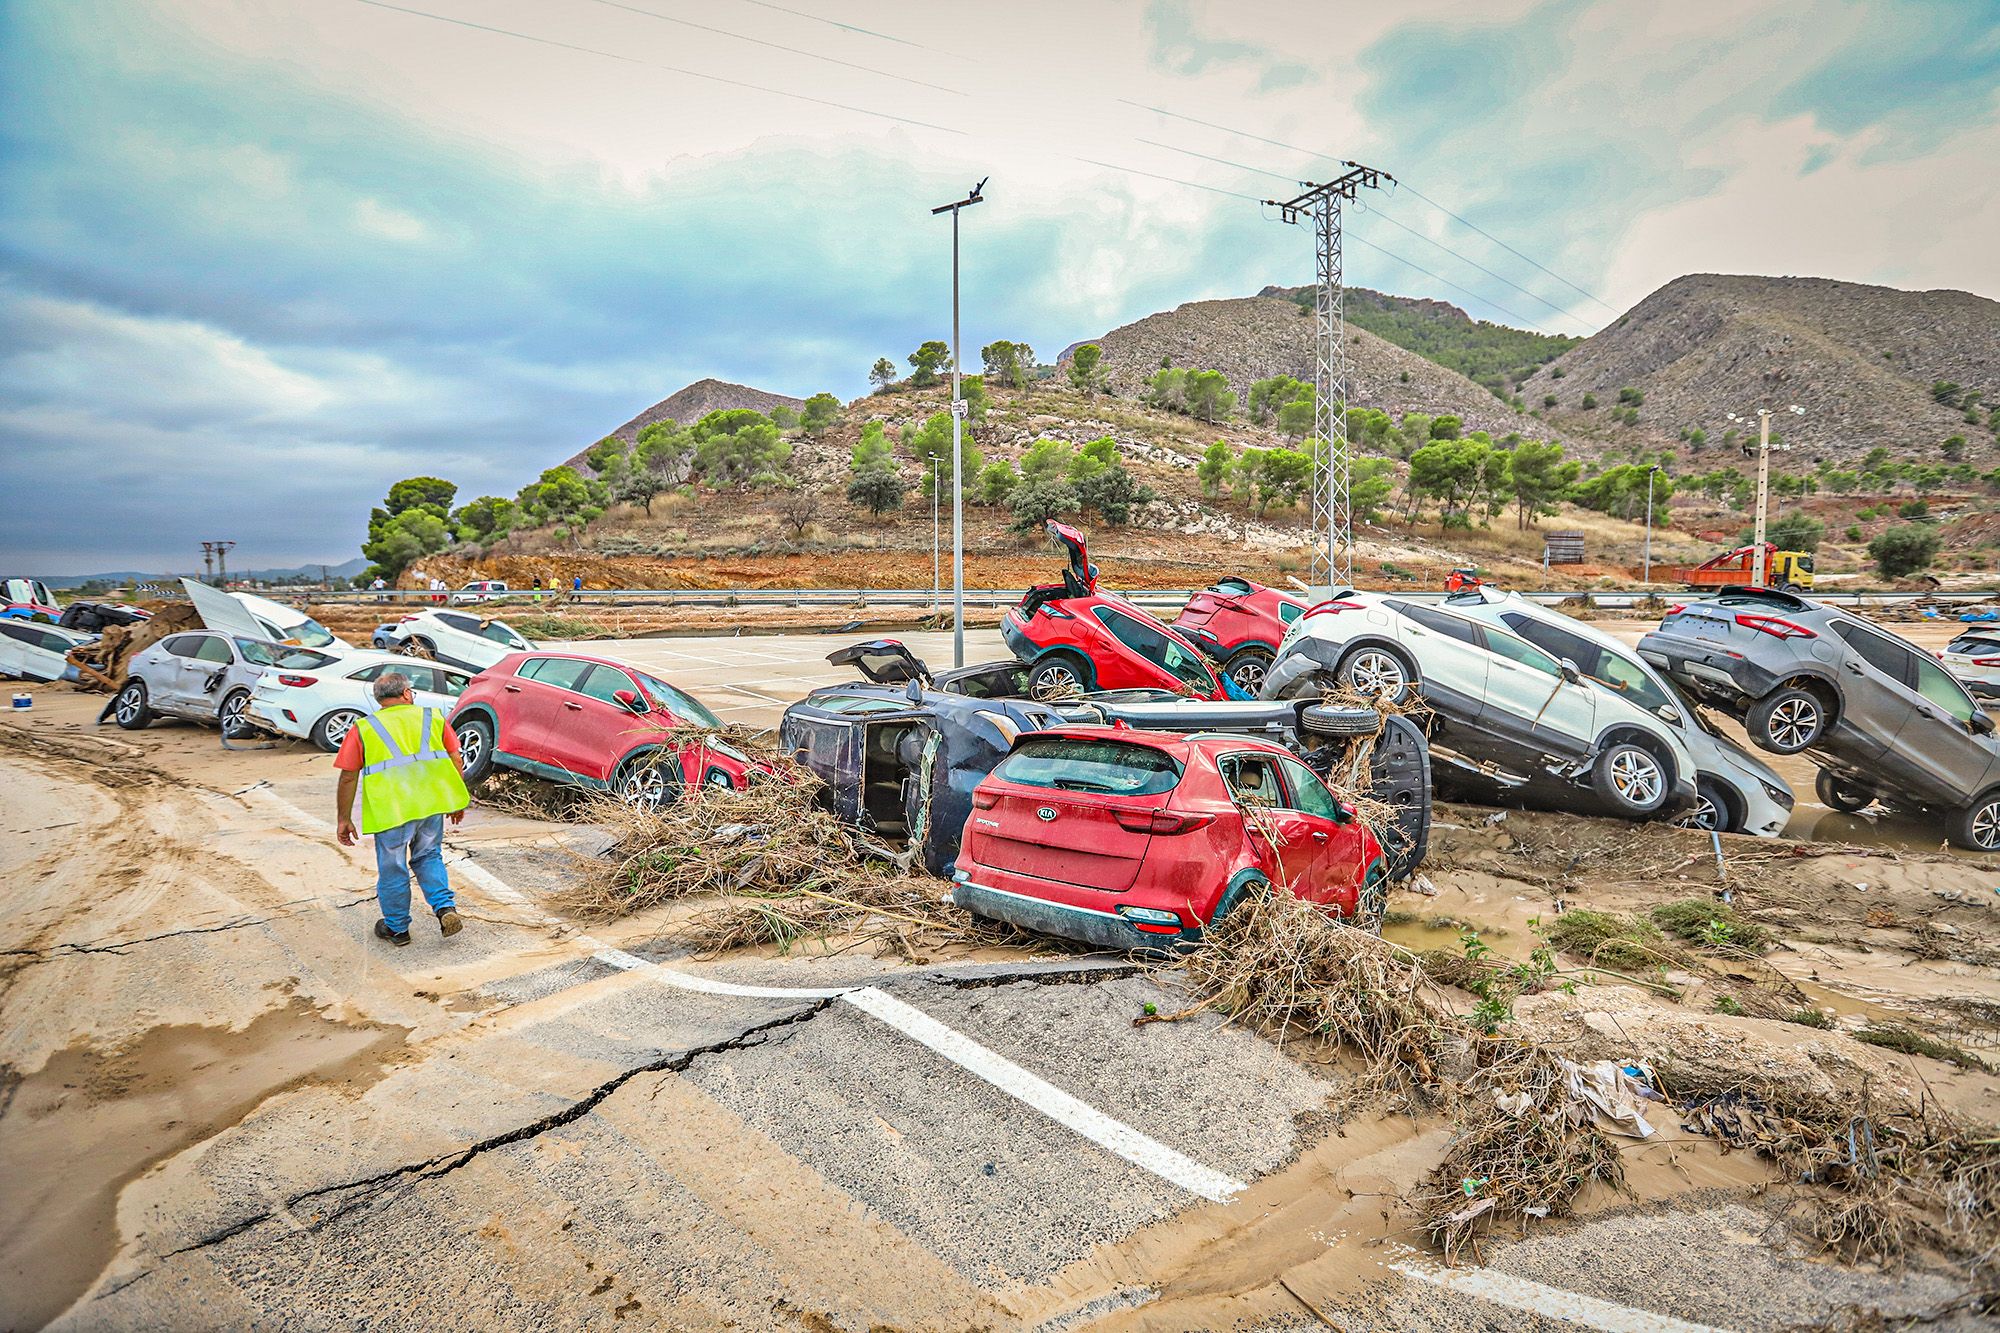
311,633
681,705
281,655
1112,767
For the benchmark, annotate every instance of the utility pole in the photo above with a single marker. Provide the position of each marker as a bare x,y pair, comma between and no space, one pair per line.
957,453
208,562
222,550
1759,570
1646,576
1333,510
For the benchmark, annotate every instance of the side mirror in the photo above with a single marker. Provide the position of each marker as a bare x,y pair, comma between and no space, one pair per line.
630,701
914,692
1570,673
1982,722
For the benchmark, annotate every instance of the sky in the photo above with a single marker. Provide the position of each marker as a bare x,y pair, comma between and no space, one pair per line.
261,258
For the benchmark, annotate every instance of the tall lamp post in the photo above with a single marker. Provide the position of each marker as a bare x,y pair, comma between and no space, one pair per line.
1759,573
1646,576
957,452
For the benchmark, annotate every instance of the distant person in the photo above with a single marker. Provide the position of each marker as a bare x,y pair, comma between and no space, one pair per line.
380,588
438,590
407,765
576,584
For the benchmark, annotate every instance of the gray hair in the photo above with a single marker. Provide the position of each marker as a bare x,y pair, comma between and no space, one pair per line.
391,685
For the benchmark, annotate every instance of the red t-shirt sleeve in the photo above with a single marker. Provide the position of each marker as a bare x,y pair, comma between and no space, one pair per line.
349,757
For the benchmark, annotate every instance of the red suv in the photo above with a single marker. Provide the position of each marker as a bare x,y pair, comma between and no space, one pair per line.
1240,624
1136,839
592,722
1075,636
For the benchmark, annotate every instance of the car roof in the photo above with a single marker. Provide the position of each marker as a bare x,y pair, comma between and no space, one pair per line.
514,659
371,657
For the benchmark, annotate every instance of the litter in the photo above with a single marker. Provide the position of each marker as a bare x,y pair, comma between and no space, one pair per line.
24,701
1422,884
1514,1104
1615,1091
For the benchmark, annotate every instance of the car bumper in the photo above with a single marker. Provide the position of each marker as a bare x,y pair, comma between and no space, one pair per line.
1300,662
267,713
1708,669
1018,643
1045,916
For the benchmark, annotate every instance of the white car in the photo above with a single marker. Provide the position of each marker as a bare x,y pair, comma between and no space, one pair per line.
1974,657
31,651
1506,711
479,590
1735,792
320,705
455,637
249,616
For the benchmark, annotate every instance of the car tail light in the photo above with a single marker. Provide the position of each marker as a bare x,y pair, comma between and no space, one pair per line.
1986,661
1677,608
298,682
1161,821
406,620
1775,626
985,800
1331,609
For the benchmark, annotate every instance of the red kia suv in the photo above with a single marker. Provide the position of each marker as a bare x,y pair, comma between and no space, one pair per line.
1139,840
1239,624
592,722
1077,636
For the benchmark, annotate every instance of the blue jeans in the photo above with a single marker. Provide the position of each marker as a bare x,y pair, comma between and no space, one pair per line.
417,846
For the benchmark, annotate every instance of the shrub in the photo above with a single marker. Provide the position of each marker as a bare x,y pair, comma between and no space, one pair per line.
1853,533
1705,921
1905,549
1589,402
1606,939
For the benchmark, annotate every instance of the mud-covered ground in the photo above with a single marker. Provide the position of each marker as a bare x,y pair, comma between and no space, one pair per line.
226,1105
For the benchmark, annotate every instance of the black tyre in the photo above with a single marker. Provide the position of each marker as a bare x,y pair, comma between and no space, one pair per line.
1374,671
1787,721
475,747
1632,778
331,730
1977,827
1333,720
1715,808
419,647
233,715
1057,676
1248,667
649,782
1838,793
130,708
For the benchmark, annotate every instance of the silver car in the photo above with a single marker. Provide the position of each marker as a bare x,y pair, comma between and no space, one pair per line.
1883,719
1735,792
203,676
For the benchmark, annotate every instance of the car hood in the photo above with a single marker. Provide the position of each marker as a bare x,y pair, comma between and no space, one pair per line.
1721,752
223,613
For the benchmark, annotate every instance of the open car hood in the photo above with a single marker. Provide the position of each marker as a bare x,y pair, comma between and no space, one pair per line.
223,613
882,661
1071,541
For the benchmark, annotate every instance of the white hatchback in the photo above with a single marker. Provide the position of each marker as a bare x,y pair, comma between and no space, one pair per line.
320,705
1974,657
457,638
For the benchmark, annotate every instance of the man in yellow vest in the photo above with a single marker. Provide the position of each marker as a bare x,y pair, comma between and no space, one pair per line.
406,763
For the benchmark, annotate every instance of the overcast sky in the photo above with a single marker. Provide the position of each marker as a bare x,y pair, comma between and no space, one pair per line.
260,258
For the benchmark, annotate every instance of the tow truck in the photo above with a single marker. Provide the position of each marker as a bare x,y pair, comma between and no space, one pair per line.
1787,571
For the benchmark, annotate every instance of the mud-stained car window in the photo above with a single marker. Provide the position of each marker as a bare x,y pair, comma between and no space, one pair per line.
1110,767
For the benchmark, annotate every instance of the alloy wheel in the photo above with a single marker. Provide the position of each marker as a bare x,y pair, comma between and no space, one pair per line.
471,745
128,705
339,725
1986,826
644,788
1375,672
1057,682
1794,722
1705,815
233,709
1249,674
1636,775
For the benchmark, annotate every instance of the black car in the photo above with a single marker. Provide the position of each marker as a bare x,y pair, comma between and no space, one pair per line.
901,751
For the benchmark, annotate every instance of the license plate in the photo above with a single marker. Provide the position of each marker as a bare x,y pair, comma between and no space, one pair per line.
1710,629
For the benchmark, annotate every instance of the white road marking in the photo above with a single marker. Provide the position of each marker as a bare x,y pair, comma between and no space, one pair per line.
1519,1293
1113,1135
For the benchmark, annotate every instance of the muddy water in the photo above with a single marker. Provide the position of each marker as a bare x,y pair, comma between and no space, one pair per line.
75,1131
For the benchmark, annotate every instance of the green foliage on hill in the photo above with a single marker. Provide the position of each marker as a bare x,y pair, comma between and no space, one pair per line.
1492,355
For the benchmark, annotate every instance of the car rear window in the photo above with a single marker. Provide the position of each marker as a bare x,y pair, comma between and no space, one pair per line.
1111,767
561,672
1981,644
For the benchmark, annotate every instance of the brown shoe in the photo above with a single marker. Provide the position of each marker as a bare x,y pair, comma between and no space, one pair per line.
448,922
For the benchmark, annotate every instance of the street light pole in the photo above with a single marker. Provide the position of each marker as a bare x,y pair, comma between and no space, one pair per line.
957,451
1646,576
1758,576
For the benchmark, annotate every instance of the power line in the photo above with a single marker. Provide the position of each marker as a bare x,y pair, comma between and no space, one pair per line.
1171,180
853,28
1241,134
1504,246
651,64
778,46
1481,267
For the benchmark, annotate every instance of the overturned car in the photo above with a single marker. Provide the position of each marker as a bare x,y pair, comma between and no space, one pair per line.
902,751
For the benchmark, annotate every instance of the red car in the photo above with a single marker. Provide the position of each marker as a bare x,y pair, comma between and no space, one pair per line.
1136,839
591,722
1240,624
1077,636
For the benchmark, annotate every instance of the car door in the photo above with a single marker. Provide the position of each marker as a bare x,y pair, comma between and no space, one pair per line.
211,656
1529,702
533,717
1939,739
1142,656
1337,860
595,731
164,669
1451,660
1294,841
1878,689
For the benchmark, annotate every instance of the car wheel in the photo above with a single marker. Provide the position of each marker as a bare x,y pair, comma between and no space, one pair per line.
332,729
1248,667
1714,809
1632,778
233,715
1375,672
1837,793
417,646
475,748
1977,826
1371,901
1333,720
648,783
1787,721
131,708
1055,677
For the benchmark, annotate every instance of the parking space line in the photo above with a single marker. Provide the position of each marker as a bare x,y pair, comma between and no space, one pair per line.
1520,1293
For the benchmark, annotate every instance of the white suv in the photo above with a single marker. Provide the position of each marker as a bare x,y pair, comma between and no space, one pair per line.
1735,792
457,638
1505,709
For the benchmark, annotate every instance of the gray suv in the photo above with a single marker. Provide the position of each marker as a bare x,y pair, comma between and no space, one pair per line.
1883,719
203,676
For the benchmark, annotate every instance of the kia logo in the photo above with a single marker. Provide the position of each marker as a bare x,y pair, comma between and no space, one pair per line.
1046,813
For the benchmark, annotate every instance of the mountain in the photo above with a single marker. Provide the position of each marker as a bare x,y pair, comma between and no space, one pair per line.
690,405
1495,356
1861,360
1251,338
346,569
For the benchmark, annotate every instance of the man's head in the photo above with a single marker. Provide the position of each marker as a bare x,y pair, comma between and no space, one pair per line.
392,687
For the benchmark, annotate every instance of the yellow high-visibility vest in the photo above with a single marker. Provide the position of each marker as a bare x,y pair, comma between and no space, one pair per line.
406,773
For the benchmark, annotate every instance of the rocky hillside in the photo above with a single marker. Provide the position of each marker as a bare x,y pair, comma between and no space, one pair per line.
1250,338
693,403
1494,356
1861,360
